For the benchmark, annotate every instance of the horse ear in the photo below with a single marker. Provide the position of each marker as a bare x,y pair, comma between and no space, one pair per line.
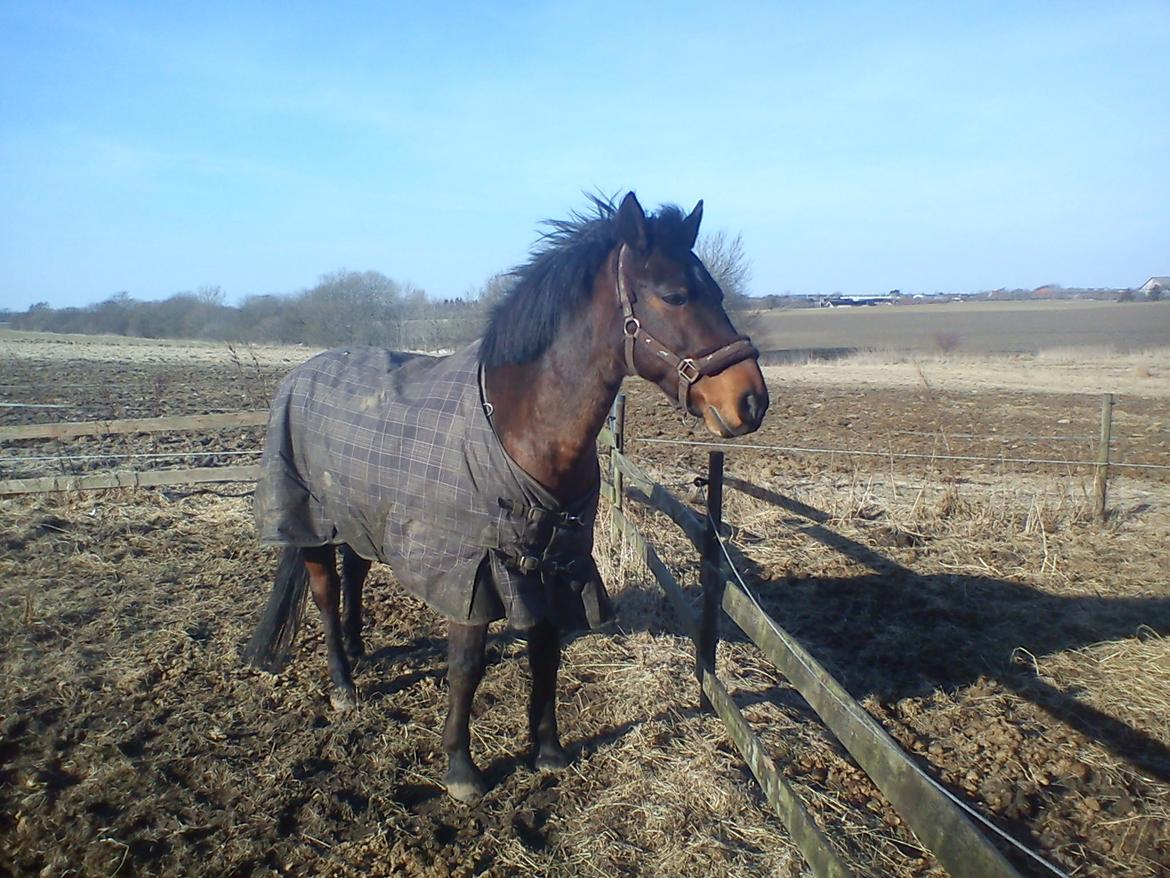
691,225
631,222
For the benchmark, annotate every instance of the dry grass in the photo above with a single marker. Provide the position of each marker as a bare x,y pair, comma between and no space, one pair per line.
996,630
1075,370
1131,678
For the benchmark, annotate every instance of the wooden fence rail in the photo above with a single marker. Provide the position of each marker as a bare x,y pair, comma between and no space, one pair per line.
930,813
135,478
177,423
786,804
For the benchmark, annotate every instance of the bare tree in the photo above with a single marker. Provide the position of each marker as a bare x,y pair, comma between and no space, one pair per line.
493,290
352,307
725,258
210,295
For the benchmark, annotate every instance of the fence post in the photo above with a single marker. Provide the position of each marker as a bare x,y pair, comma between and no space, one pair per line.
1101,478
711,575
619,447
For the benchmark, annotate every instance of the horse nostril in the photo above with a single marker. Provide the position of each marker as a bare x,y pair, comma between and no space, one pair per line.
752,407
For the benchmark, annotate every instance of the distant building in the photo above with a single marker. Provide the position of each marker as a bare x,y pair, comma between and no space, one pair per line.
1159,284
838,301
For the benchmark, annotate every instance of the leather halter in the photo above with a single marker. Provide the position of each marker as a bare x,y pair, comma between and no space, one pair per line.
688,370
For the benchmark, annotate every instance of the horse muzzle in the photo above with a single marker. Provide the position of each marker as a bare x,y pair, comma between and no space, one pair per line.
734,402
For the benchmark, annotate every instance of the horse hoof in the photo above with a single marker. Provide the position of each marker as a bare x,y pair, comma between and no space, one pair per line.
465,790
552,759
463,780
343,700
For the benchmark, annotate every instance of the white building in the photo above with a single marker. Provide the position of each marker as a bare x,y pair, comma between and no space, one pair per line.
1161,284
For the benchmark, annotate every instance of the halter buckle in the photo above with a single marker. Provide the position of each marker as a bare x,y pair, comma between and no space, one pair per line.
688,371
527,563
567,519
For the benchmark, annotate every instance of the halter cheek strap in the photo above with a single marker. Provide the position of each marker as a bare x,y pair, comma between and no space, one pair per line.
688,370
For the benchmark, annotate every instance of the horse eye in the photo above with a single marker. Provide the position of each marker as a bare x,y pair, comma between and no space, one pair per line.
675,299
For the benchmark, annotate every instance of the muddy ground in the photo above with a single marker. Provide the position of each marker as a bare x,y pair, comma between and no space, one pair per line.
1014,645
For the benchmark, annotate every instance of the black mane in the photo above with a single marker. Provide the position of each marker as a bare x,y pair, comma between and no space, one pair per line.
555,284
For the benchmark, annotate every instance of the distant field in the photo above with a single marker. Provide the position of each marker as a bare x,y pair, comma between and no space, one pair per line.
967,327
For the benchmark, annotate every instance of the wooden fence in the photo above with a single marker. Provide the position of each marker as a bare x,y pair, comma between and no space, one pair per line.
138,478
935,817
184,423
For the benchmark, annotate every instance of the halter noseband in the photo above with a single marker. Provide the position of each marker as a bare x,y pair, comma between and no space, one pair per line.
687,369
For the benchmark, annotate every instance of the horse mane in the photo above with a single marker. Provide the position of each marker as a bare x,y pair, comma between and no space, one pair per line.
554,285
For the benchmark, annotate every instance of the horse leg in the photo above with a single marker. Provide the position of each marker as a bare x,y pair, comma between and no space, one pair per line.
353,575
544,659
321,562
465,664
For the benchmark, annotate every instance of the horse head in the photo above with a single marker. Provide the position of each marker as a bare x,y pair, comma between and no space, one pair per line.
675,331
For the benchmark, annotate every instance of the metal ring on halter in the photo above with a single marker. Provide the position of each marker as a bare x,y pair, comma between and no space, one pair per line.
637,324
688,371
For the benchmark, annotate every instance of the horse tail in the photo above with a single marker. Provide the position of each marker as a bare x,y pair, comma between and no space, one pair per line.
272,641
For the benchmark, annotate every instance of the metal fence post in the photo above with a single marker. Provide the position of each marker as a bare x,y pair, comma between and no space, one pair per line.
1101,477
712,578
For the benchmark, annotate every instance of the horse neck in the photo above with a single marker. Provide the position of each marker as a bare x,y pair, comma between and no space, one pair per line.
548,413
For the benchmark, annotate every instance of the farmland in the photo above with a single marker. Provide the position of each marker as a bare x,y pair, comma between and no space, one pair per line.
1014,645
969,327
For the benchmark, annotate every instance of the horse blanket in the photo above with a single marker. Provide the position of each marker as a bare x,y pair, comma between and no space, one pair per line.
395,454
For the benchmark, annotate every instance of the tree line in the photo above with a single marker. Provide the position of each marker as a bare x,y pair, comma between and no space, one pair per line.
344,307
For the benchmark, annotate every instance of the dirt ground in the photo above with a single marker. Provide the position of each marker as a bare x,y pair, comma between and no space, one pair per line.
1011,643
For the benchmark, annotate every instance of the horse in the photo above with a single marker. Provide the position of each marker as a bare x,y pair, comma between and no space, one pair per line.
475,476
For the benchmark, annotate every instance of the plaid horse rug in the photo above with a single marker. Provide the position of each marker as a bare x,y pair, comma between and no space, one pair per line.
395,455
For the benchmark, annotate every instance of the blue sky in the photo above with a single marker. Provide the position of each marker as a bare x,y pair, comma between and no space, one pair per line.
162,147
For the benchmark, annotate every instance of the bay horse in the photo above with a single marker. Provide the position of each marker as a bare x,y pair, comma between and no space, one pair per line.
475,476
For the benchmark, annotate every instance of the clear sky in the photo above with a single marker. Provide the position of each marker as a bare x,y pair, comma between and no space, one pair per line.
160,147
